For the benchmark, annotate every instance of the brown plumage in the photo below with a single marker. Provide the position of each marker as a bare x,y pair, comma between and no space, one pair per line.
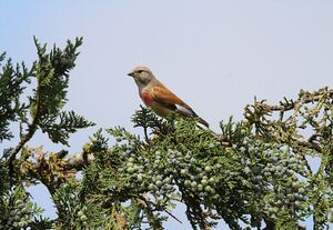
158,97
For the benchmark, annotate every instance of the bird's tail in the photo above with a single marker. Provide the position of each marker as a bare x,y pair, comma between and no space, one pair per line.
202,121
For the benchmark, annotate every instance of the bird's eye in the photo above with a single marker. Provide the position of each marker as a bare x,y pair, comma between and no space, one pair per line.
140,71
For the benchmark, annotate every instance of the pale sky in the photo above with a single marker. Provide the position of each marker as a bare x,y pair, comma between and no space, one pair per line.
216,55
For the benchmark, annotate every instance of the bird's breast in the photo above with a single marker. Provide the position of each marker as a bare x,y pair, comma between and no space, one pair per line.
146,98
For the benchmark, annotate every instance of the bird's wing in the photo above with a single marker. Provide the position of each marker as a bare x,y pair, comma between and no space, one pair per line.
164,96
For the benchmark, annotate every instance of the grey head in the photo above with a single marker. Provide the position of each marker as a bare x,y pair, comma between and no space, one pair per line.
142,76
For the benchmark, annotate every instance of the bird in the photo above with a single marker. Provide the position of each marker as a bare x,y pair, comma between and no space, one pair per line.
158,97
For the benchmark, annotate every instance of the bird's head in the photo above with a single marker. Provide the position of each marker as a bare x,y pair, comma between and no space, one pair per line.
142,75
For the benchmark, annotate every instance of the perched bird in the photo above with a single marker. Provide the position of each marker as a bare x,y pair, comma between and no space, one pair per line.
158,97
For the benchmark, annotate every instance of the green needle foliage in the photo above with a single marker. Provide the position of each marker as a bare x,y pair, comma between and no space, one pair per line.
255,173
12,81
48,78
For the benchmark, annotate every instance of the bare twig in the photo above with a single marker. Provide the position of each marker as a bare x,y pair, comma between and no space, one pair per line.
304,97
144,200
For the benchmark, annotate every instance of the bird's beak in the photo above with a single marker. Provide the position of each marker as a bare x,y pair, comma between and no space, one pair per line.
131,74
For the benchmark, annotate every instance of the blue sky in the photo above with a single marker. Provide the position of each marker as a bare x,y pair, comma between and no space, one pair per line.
216,55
